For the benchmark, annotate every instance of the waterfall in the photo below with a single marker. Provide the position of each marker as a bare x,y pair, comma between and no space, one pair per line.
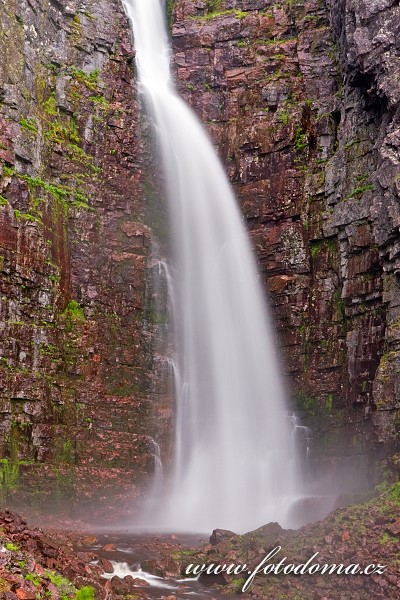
234,465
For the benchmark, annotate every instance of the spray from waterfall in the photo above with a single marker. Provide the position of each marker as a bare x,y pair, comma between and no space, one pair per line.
234,464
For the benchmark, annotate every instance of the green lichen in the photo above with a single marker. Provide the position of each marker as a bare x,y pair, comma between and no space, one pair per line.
315,247
55,278
34,578
301,139
26,216
100,101
85,593
352,143
77,154
386,371
277,75
360,190
68,196
9,474
283,117
12,547
170,12
65,483
329,402
3,201
181,554
237,584
48,350
387,539
64,451
90,80
394,493
63,129
72,317
60,133
7,171
50,106
76,27
74,311
239,14
310,403
64,586
29,124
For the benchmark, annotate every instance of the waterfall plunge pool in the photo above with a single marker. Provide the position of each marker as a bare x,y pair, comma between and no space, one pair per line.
136,553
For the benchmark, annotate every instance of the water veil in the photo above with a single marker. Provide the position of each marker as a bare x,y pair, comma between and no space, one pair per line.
234,464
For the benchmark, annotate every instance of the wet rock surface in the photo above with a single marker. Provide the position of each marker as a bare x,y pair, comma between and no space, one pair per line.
62,564
76,322
56,562
34,563
363,534
302,103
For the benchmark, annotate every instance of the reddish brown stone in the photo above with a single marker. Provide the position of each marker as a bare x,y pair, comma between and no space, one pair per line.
25,594
109,548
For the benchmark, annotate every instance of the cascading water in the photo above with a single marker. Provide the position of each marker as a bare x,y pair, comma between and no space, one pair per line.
234,461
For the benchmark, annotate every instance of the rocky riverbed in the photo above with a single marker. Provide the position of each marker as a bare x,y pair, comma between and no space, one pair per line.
54,563
366,534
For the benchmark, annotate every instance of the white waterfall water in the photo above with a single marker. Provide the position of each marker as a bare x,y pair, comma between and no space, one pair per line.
234,464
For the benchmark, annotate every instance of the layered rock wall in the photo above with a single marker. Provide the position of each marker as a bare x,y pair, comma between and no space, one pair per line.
301,100
76,319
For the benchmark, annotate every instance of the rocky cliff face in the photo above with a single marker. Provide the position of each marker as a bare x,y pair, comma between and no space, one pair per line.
301,99
75,250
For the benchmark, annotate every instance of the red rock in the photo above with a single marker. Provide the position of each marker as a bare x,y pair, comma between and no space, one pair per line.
25,594
90,540
85,556
50,563
109,548
345,536
137,581
88,570
37,568
394,528
218,535
106,565
54,591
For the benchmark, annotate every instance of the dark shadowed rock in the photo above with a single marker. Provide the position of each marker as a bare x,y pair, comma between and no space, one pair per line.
106,565
218,535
